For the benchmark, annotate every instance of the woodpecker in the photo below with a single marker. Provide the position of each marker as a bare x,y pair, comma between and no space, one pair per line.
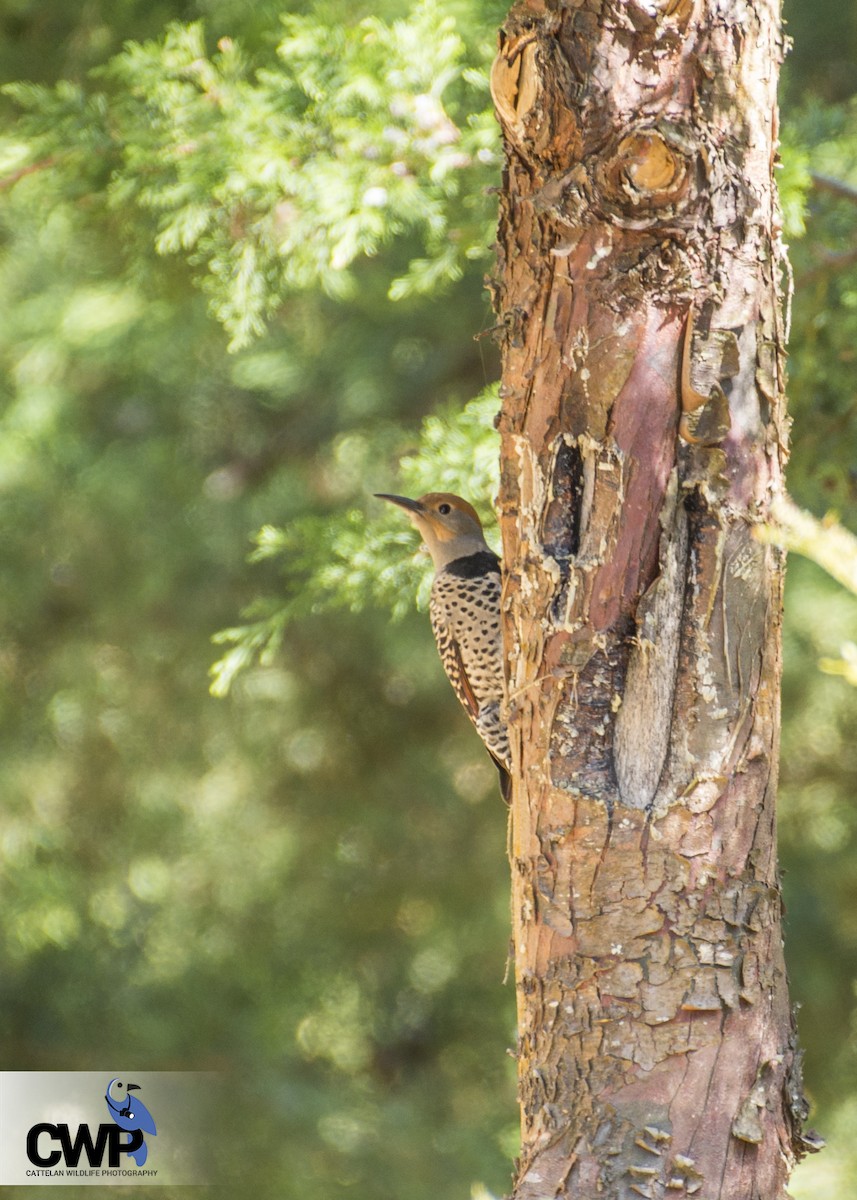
465,613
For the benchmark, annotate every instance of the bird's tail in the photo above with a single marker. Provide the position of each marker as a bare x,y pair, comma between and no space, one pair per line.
505,781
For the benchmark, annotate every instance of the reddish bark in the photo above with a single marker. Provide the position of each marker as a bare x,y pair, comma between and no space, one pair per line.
639,219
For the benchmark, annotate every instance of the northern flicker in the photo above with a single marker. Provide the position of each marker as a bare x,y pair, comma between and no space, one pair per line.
465,612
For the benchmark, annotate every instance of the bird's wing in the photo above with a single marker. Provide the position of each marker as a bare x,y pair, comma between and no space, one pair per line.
453,663
462,686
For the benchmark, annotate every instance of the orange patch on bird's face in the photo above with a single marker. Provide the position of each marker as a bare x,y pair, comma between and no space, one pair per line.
441,531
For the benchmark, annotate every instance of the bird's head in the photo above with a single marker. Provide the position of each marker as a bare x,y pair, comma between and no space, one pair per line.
447,524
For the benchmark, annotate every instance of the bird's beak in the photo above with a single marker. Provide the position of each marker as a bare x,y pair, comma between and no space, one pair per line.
132,1087
413,506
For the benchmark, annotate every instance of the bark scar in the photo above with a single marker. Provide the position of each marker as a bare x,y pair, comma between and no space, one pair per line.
693,401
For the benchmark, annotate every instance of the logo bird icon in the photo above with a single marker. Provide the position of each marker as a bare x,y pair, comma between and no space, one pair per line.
130,1113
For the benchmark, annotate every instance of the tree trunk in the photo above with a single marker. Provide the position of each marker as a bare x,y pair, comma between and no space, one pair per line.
643,437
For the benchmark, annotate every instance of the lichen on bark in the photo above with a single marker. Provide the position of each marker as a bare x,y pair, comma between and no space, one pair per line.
643,439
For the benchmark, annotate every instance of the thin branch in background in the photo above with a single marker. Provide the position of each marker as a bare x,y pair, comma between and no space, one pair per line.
830,261
10,180
833,548
825,542
837,187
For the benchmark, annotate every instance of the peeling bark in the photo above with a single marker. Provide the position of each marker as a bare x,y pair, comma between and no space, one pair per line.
643,438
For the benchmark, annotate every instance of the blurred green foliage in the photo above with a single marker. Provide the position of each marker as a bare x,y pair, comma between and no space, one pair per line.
303,883
278,176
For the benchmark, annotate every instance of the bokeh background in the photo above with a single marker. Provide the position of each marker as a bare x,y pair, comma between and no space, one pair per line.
242,254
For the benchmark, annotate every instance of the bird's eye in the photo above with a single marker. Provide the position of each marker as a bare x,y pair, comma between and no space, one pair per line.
118,1082
444,509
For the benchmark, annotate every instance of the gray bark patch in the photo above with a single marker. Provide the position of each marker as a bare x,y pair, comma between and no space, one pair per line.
644,720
